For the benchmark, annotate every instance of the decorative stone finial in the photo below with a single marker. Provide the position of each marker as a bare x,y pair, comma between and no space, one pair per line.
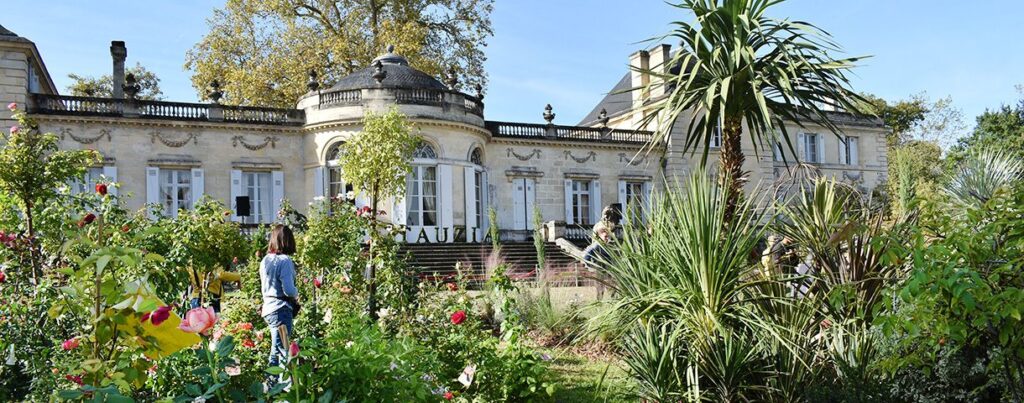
548,115
391,48
452,80
313,84
215,93
479,91
378,71
603,117
131,86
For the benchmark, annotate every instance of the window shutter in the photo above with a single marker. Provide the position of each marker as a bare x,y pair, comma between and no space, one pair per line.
236,190
648,200
854,150
152,189
110,172
469,181
519,203
198,185
801,148
276,191
595,201
486,205
842,149
445,211
319,182
821,148
622,195
568,202
531,201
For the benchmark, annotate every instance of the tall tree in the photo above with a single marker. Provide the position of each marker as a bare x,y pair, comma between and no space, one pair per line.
262,50
103,87
1000,129
739,66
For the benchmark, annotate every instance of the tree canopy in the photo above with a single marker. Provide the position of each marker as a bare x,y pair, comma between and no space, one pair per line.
103,87
262,51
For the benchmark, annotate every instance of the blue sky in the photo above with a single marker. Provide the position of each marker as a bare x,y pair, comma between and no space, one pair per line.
570,52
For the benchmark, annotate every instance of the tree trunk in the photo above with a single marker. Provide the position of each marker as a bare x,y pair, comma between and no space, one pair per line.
31,234
372,280
731,174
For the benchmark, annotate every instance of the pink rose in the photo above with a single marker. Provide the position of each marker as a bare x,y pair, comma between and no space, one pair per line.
318,281
69,344
12,106
293,350
458,317
14,129
160,315
198,320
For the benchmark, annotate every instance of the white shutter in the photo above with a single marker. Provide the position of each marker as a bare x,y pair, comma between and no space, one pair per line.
198,185
319,182
236,190
110,172
486,205
595,201
821,148
152,188
622,195
568,202
446,210
276,192
854,147
469,176
519,203
647,201
842,149
531,201
801,148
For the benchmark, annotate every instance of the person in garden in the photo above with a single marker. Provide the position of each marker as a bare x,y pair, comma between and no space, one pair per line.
214,285
280,297
595,256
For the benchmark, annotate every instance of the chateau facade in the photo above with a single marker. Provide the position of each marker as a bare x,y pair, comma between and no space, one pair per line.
171,154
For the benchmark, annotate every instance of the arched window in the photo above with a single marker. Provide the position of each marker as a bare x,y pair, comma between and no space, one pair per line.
476,156
336,186
424,150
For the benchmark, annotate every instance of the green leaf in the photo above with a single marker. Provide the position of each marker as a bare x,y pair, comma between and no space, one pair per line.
73,394
101,263
275,370
193,390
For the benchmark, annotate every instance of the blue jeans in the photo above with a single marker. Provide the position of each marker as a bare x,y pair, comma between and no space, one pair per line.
278,349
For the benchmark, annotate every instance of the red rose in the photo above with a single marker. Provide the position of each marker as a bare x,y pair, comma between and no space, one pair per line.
160,315
317,282
458,317
452,287
74,378
101,188
293,350
448,396
125,228
234,260
144,317
3,277
69,344
248,343
88,219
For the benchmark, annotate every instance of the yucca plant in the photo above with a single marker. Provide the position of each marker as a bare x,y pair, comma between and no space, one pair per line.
981,174
685,299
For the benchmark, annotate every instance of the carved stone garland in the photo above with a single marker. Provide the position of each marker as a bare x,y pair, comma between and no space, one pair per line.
66,131
527,157
269,140
634,161
193,137
591,156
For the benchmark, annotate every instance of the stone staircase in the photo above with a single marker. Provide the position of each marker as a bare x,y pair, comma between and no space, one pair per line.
437,261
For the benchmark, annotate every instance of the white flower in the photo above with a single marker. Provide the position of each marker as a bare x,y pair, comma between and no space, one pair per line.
233,370
349,344
466,378
383,313
328,316
318,199
393,366
350,195
11,359
199,399
462,300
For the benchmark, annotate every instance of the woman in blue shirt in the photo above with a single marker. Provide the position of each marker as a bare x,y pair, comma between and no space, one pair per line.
280,297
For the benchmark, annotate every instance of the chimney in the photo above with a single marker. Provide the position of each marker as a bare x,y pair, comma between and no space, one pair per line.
118,52
639,63
660,56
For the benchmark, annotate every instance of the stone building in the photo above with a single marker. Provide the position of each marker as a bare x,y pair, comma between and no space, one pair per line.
169,154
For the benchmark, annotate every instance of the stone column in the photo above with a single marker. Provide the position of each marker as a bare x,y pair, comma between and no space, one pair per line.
118,52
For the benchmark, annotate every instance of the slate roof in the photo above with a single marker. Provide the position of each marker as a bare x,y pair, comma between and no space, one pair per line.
399,75
615,102
8,36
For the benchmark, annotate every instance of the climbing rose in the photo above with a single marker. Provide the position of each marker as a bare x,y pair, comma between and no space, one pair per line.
458,317
448,396
69,344
3,277
12,106
160,315
198,320
293,350
101,188
88,219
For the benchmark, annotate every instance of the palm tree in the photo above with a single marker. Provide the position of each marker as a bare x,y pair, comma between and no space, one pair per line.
738,66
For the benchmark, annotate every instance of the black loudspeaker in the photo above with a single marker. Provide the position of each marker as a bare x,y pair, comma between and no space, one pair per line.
242,206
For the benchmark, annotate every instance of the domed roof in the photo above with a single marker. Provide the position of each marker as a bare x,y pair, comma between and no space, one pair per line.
397,74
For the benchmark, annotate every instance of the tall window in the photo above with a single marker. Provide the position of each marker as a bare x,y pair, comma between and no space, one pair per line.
87,183
175,190
476,157
581,202
634,201
811,147
424,150
421,196
257,186
716,137
850,151
336,186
